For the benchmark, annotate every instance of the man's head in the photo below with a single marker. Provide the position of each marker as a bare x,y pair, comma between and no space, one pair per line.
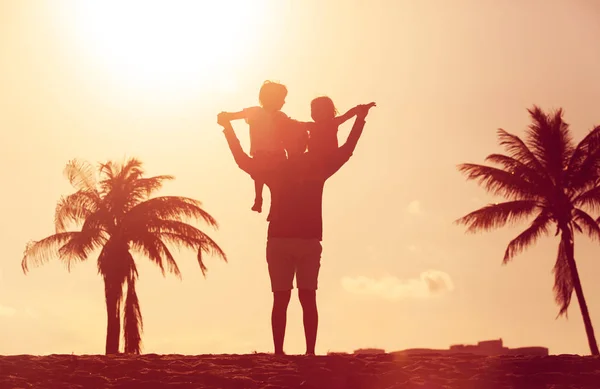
322,108
296,141
272,95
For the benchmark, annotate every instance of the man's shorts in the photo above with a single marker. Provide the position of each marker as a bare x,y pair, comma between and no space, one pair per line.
287,257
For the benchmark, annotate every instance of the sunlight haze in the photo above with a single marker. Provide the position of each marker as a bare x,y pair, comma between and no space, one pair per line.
110,80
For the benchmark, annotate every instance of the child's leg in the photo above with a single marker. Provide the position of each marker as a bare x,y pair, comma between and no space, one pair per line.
258,199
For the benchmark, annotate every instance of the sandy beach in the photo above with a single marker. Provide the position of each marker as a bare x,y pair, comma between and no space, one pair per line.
266,371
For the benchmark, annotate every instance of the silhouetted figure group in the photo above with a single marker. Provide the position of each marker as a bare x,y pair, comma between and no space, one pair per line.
295,177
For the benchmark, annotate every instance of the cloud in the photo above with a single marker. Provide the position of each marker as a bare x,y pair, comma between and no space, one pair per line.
414,207
7,311
32,313
413,249
430,283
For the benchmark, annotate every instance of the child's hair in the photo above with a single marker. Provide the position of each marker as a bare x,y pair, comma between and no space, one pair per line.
272,95
322,108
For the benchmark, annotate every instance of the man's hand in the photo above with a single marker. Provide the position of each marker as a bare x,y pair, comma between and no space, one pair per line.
362,110
224,119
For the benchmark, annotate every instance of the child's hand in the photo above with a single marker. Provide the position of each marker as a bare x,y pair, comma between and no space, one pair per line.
363,109
368,106
223,118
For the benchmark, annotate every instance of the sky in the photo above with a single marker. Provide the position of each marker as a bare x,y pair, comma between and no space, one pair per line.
101,81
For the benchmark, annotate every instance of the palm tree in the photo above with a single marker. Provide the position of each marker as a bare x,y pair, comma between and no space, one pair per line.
117,216
548,178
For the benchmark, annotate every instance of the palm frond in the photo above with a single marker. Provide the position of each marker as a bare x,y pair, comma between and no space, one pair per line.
81,245
516,167
133,325
494,216
501,183
39,252
181,234
119,172
563,282
151,246
202,243
169,207
81,175
115,177
587,223
131,169
518,150
583,171
75,208
589,199
539,227
108,171
141,189
549,138
120,184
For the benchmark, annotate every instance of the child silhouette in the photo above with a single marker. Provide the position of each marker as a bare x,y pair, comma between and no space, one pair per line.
267,126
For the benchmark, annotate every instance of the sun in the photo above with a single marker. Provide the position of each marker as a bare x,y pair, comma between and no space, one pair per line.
176,43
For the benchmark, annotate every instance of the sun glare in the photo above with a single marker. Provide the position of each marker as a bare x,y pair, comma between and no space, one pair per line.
178,43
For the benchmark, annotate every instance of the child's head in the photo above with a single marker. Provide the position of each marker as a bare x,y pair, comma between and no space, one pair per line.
322,108
272,95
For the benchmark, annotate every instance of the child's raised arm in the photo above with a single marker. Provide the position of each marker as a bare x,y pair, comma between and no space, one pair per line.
235,115
347,116
351,113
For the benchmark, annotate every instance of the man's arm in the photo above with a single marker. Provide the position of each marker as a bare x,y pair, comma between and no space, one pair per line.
241,158
340,156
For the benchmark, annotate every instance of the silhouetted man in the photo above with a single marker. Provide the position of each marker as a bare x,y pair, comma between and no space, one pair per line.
295,224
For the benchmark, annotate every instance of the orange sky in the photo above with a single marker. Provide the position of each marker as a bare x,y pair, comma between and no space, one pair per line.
445,75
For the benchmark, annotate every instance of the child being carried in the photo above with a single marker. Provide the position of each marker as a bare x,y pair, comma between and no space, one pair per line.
267,129
323,131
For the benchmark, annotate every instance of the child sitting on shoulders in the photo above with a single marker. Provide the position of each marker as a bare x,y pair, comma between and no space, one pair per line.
267,126
323,131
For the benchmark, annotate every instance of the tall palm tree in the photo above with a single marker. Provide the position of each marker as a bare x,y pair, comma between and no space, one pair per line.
550,179
117,216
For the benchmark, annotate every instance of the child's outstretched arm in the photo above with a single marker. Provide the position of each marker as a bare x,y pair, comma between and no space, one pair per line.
351,113
234,115
347,116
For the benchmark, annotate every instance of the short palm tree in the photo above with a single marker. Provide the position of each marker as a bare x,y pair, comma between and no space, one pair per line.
550,179
117,216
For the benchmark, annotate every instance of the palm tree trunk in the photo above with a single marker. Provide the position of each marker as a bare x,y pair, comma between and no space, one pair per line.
113,293
587,321
132,320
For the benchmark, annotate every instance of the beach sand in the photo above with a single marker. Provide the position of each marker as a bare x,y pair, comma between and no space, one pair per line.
267,371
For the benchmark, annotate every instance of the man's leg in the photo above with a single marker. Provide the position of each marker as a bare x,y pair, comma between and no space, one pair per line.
281,273
279,319
310,316
308,262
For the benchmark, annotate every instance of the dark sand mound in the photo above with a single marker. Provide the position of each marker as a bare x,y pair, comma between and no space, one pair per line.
266,371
